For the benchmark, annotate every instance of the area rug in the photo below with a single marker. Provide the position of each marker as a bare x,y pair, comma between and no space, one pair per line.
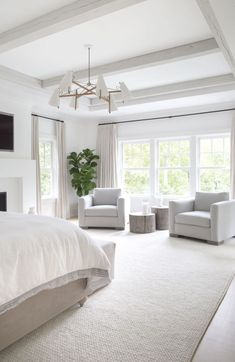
157,309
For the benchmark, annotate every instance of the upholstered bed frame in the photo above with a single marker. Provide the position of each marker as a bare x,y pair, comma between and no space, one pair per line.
35,311
38,309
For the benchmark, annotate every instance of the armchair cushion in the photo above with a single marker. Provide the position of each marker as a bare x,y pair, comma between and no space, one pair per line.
102,211
196,218
204,200
106,196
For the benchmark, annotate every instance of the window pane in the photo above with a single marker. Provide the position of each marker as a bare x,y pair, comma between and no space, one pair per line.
214,180
206,160
174,153
217,155
136,155
174,182
205,145
136,182
45,154
42,154
48,154
218,145
46,182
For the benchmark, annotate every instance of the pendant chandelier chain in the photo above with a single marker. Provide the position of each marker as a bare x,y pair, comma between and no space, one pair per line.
89,66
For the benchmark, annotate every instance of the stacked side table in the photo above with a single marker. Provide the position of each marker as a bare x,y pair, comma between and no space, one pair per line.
162,215
142,223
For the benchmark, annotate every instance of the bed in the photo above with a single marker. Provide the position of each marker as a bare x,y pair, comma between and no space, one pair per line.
46,266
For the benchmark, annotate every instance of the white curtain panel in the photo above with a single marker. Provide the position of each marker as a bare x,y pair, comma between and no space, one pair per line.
232,157
107,149
35,156
61,203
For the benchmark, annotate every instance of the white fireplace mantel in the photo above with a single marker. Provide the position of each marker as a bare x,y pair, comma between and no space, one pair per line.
22,177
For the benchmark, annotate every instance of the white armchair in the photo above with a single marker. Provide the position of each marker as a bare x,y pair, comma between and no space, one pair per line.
210,216
105,208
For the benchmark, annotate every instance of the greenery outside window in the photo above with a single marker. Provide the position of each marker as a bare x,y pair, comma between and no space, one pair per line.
214,163
174,167
136,167
47,169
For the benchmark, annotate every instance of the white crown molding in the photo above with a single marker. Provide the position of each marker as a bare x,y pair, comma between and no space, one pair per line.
219,29
78,12
187,51
19,78
173,91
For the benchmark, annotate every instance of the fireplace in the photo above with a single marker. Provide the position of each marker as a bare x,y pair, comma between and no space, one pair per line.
3,201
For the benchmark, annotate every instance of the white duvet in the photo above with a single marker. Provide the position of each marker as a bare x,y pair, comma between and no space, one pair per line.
39,252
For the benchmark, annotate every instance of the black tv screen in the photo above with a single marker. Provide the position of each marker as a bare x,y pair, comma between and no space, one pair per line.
6,132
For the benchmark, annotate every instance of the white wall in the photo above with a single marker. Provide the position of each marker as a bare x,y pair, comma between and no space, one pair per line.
21,102
182,126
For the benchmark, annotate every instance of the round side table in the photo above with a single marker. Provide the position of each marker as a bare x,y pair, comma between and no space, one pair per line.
162,215
141,223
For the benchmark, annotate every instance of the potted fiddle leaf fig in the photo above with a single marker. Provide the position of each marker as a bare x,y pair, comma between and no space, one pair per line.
82,168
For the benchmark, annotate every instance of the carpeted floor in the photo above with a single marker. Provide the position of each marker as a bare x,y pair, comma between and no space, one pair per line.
164,295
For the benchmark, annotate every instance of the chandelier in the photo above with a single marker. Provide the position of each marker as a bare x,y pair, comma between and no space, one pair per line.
70,87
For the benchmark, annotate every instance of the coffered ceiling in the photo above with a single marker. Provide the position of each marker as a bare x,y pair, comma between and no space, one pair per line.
149,44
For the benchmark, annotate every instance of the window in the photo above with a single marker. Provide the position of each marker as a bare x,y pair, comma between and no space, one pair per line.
174,167
47,168
214,163
136,167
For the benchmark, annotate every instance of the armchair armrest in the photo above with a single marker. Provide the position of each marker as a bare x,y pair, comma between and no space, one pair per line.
176,207
83,203
222,220
121,205
121,212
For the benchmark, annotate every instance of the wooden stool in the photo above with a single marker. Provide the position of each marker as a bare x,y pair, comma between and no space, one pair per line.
162,215
141,223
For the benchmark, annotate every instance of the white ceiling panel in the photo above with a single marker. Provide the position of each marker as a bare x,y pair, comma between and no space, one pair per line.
17,12
209,65
225,98
139,29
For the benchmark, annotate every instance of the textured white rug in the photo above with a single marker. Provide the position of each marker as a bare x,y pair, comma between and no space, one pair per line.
165,293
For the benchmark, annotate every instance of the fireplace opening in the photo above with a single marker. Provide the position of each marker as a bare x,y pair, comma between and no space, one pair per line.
3,201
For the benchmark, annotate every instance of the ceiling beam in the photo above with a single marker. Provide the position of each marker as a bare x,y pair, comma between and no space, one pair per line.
220,16
173,91
147,60
78,12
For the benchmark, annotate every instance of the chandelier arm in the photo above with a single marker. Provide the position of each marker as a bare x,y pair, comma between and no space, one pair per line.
80,85
67,95
84,87
115,91
76,100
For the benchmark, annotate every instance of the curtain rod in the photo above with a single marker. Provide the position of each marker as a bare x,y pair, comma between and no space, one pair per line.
51,119
166,117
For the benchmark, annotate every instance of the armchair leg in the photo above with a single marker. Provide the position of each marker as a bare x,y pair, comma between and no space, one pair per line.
216,243
173,235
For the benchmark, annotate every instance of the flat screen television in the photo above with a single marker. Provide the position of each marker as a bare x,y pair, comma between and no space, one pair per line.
6,132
